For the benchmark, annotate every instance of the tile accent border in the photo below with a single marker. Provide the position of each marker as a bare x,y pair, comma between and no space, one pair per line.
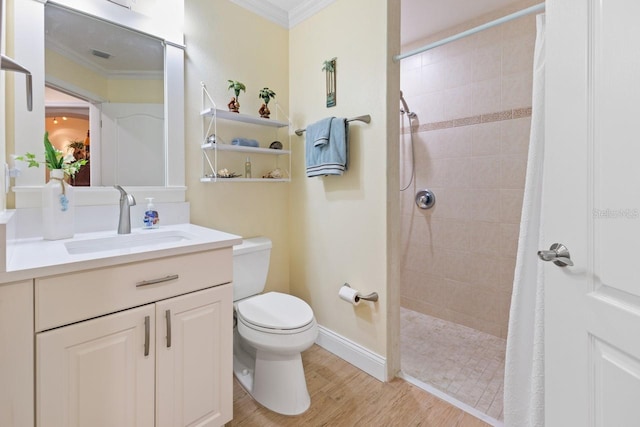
516,113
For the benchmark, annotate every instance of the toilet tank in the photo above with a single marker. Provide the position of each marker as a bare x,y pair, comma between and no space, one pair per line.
250,267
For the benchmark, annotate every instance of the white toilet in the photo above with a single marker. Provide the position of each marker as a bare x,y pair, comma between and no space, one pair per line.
270,332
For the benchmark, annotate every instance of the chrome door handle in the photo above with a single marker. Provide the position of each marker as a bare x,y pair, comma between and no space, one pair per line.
558,253
147,332
167,315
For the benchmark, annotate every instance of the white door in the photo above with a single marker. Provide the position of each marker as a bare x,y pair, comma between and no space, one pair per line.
132,146
592,205
194,355
97,373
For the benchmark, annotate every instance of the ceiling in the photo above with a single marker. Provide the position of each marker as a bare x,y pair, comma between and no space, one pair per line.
420,18
107,49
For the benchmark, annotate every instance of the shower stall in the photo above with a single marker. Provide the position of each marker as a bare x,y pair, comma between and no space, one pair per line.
465,122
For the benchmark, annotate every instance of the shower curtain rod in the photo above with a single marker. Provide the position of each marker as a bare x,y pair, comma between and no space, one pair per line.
533,9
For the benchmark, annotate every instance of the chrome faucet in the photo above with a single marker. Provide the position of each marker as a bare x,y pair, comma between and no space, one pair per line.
126,201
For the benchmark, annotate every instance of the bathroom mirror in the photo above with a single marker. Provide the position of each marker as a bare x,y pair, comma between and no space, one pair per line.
123,62
120,74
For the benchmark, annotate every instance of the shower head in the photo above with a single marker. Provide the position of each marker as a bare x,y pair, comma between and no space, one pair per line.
405,108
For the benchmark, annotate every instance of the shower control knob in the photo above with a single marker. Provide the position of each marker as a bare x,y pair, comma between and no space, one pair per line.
425,199
558,253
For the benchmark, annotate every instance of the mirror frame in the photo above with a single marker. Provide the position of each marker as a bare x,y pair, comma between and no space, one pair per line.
29,41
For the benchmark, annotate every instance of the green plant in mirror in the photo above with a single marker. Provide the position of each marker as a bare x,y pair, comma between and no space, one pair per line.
54,159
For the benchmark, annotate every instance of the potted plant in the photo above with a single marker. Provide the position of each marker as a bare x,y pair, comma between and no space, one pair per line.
79,149
55,159
265,94
234,104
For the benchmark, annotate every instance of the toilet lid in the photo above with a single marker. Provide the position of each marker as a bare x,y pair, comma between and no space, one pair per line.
274,310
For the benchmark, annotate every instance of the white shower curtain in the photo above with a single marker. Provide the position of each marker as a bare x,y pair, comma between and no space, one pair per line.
524,366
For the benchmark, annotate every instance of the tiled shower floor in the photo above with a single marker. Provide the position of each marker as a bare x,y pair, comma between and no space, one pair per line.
464,363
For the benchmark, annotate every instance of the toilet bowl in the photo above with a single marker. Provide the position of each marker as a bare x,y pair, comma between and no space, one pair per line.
270,332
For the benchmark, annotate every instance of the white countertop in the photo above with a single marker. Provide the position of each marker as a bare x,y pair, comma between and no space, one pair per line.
30,258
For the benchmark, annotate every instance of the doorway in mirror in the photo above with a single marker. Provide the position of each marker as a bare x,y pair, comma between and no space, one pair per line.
67,122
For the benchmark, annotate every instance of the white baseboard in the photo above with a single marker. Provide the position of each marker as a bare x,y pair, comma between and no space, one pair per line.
360,357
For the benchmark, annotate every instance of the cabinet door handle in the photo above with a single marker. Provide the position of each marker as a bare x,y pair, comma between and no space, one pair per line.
147,331
158,280
168,317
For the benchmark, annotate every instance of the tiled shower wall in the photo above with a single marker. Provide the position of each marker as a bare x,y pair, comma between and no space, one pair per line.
473,104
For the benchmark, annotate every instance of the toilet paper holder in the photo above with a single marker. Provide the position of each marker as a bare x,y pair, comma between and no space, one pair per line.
373,296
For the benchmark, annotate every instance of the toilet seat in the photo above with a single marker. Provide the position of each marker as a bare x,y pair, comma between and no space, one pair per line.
275,312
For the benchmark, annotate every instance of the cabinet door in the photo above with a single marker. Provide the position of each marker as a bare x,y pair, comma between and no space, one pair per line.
16,354
99,372
194,357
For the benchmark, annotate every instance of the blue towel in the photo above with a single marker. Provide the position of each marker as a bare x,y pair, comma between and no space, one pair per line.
331,158
318,132
245,142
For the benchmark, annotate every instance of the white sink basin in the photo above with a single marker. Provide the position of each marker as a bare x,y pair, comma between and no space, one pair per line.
125,241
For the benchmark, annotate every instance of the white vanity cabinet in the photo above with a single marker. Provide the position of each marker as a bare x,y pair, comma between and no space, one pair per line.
16,354
194,362
97,373
156,349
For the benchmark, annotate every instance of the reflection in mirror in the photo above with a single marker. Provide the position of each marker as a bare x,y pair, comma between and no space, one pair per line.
67,122
118,76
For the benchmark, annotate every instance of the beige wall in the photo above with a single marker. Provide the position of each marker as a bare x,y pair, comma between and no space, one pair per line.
226,42
112,90
60,67
473,100
339,224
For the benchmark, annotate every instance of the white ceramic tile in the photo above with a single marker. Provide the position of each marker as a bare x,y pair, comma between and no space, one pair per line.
431,78
517,54
487,63
516,90
487,96
458,102
514,136
486,139
462,362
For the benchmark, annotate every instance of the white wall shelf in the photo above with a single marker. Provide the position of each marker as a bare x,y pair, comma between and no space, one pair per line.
208,179
244,118
244,149
210,163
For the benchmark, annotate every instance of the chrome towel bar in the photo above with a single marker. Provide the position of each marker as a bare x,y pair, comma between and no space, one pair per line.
366,119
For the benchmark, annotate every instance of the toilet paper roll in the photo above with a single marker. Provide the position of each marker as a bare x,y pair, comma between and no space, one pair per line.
349,295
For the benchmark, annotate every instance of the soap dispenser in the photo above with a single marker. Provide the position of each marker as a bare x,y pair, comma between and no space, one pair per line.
151,218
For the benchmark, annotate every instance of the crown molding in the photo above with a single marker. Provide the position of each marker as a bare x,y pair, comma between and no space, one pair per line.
266,10
286,19
306,10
